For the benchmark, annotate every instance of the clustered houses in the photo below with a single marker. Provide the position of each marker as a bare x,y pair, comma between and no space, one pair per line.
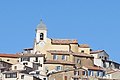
57,59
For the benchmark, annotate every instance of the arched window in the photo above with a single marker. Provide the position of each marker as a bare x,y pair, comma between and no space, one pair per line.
41,36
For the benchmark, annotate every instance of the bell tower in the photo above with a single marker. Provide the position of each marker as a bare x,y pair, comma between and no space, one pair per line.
41,32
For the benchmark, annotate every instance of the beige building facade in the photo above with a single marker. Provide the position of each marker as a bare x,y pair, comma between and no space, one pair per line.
18,75
9,58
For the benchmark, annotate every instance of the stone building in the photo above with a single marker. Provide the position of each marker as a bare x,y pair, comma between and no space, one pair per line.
101,58
62,54
56,59
9,58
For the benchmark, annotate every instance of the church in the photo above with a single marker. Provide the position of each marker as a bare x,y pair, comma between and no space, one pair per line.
57,59
63,57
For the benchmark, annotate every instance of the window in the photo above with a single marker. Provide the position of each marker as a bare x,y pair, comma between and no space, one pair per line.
41,36
44,78
89,72
65,78
8,60
37,72
36,59
76,73
54,57
14,75
104,64
82,51
11,75
7,76
15,67
63,57
22,76
97,73
103,73
25,59
105,58
40,65
90,49
58,68
76,79
78,61
25,63
92,73
83,72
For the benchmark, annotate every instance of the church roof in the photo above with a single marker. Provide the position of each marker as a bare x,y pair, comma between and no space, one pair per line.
41,26
84,46
64,41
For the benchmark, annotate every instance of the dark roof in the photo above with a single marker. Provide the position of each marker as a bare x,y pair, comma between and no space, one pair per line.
41,26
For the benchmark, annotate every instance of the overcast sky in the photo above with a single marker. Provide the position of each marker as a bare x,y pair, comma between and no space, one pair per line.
93,22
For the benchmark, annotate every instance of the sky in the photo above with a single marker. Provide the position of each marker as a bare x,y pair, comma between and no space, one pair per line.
93,22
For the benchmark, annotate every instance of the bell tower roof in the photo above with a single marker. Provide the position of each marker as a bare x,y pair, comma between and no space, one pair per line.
41,26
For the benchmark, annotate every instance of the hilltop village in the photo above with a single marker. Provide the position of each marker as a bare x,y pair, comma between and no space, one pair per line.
58,59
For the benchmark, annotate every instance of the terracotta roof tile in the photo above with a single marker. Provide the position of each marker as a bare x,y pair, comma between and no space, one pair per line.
16,71
69,53
58,62
97,51
64,41
84,46
59,52
82,55
96,68
31,55
9,55
112,71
